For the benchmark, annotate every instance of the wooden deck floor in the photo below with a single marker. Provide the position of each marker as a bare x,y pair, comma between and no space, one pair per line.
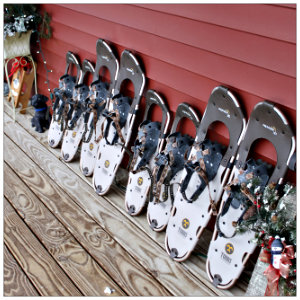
61,238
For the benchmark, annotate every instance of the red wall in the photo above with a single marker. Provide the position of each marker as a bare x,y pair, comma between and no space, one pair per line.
187,50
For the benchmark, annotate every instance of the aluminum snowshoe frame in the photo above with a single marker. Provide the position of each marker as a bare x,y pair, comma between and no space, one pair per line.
189,219
89,147
140,181
267,122
158,213
74,131
109,157
56,129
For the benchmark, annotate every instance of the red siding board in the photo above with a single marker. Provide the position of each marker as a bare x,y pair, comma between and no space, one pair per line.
187,52
261,82
249,48
266,20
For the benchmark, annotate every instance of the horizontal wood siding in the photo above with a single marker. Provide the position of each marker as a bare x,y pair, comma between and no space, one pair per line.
187,50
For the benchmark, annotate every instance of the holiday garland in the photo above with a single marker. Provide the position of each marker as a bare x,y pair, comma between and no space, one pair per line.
269,216
20,18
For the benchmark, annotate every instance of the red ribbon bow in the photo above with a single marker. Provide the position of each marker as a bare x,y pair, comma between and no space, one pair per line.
273,274
20,62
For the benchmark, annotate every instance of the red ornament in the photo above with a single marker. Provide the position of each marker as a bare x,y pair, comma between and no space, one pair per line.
258,206
255,202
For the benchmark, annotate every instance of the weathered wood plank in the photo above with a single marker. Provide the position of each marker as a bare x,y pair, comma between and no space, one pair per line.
15,282
37,263
88,276
172,275
132,277
196,264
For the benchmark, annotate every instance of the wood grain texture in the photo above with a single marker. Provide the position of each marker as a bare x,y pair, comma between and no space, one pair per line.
140,246
90,279
195,264
37,263
15,282
113,258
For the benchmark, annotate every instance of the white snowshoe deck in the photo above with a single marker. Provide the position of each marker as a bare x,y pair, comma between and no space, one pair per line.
71,140
89,149
188,219
139,183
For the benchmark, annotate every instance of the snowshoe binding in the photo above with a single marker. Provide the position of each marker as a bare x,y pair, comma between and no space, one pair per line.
117,127
204,176
169,166
78,104
229,251
61,110
100,92
148,144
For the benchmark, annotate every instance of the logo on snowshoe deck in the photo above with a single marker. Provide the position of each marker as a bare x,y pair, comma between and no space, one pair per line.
154,100
225,111
130,70
105,57
272,128
226,258
91,146
106,163
187,114
185,223
229,248
140,181
74,134
164,196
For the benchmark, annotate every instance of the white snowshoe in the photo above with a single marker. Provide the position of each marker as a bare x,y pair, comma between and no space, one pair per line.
117,127
100,92
149,143
61,110
204,176
169,166
228,252
75,128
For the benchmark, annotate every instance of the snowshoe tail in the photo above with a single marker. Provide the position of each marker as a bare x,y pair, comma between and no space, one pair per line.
57,126
168,173
205,175
148,144
228,252
117,134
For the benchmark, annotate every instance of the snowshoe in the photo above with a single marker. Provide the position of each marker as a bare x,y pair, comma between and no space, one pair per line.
61,110
148,144
100,92
229,251
204,176
78,104
117,127
169,166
